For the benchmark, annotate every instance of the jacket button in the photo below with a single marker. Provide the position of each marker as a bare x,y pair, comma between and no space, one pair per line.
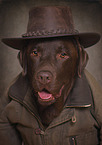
38,131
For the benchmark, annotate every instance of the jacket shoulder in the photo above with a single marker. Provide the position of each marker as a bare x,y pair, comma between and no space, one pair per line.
95,87
5,99
97,95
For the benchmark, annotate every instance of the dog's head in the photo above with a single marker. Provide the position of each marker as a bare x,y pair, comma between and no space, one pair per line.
51,66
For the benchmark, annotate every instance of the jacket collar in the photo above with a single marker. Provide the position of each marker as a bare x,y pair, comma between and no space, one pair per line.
80,95
19,88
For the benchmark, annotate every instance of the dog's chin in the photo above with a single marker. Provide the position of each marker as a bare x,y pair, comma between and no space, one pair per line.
45,98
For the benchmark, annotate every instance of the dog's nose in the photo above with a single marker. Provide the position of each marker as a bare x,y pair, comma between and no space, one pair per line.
44,77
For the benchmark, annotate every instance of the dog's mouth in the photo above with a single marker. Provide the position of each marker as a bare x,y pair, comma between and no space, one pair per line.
47,98
45,94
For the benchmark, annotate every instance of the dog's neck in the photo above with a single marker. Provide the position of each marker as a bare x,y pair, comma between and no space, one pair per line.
48,113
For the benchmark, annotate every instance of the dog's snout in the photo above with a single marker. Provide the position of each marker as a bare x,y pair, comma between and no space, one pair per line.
44,77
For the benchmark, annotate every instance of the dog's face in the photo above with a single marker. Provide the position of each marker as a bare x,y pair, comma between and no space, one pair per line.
51,67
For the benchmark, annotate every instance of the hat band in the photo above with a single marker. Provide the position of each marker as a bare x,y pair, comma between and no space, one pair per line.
51,32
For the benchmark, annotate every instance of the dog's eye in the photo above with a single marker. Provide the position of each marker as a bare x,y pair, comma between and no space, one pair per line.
35,53
64,55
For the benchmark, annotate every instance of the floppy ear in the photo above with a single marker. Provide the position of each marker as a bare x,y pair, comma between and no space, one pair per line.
23,61
83,58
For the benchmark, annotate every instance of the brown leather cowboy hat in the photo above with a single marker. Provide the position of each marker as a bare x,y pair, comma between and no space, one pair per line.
48,22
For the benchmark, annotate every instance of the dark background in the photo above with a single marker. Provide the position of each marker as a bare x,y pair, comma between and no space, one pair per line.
87,16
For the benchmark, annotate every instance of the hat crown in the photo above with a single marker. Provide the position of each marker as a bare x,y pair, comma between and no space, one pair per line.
50,20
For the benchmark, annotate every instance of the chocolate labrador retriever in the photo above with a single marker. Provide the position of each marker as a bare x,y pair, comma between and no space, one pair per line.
52,102
52,66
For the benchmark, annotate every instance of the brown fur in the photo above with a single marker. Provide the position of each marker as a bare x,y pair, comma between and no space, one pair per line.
63,69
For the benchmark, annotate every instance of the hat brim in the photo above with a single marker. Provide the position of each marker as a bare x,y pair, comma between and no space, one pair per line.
85,39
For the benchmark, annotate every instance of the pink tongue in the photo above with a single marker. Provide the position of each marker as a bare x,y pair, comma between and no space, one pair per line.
44,95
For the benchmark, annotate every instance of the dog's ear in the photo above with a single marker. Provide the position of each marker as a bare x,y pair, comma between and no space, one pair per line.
23,61
83,58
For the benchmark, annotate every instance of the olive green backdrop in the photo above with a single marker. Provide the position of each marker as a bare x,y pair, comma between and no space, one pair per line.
87,16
